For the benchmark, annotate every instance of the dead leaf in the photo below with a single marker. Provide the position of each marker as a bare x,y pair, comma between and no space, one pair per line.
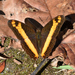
54,62
17,61
70,38
66,50
4,29
2,66
70,53
0,5
2,50
40,5
42,11
2,56
73,4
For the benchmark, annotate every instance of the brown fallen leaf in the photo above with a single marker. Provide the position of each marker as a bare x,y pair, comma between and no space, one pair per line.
2,50
42,11
73,4
4,29
3,56
0,5
70,53
40,5
66,50
54,62
17,61
2,66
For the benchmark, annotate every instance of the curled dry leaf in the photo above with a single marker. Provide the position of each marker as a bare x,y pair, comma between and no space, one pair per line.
54,62
2,56
70,53
39,10
66,50
73,4
2,66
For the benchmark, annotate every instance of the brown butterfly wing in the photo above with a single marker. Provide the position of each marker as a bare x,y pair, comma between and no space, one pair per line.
26,35
49,34
33,23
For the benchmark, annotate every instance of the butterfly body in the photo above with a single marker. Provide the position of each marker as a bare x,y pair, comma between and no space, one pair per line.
36,39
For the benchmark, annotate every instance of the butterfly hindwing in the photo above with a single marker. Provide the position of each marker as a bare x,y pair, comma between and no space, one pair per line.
49,34
26,35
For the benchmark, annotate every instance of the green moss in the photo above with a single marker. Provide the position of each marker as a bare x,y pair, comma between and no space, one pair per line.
7,41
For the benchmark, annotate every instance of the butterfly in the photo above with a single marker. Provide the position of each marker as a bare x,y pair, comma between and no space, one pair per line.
36,39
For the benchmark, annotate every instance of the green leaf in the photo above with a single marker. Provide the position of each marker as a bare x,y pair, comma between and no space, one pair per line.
64,67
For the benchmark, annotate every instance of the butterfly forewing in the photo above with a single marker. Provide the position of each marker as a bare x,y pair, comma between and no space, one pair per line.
26,35
49,34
